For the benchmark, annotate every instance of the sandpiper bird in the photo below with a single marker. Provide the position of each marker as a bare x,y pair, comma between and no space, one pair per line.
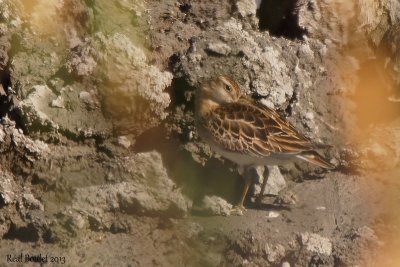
248,133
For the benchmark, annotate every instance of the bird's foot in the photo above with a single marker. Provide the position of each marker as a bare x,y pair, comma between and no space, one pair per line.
238,210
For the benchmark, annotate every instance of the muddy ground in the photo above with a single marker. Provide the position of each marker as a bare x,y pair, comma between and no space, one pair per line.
101,163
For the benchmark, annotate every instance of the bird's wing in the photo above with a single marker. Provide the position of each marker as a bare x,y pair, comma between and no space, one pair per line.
253,129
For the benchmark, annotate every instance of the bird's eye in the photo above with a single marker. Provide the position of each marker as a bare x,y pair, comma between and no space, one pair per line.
228,88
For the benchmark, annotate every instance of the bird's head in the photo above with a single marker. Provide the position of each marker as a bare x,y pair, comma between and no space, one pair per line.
221,90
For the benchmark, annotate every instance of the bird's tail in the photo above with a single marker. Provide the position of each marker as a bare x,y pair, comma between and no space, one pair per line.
315,158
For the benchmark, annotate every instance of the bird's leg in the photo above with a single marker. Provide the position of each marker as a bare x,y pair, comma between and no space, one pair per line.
247,182
264,184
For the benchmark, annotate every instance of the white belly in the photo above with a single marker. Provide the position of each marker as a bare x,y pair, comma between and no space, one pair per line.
247,160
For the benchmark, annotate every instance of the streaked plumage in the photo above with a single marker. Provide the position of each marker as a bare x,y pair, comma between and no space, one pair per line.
247,132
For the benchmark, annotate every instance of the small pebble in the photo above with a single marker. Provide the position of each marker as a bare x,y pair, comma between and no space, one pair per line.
273,214
285,264
124,141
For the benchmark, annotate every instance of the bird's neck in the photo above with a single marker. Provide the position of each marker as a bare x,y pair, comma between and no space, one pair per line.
205,106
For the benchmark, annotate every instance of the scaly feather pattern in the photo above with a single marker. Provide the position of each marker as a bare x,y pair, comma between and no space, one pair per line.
254,129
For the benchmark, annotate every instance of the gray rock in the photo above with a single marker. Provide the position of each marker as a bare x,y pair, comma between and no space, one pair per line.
373,21
29,202
127,84
274,252
33,149
43,111
214,205
316,243
87,98
58,102
124,141
147,190
192,230
246,8
219,48
48,105
75,222
275,183
273,214
286,197
81,61
2,135
7,187
134,81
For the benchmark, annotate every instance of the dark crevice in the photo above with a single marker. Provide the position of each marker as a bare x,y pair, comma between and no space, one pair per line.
27,233
292,101
185,7
48,236
2,201
4,96
8,105
182,94
280,19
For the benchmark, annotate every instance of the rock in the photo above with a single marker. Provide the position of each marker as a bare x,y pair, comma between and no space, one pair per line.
133,81
213,205
286,197
49,103
128,88
368,234
58,102
273,214
87,98
2,135
32,108
120,226
29,202
75,222
7,187
285,264
124,141
81,61
219,48
246,8
40,116
316,243
375,18
305,51
33,149
192,230
274,253
273,58
147,190
237,212
275,183
2,91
